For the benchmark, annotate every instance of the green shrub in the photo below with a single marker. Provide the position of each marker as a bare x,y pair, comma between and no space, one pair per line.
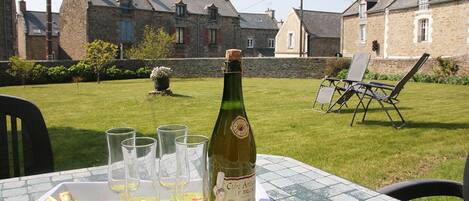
58,74
113,73
143,72
334,66
20,68
39,74
83,70
446,68
128,74
342,74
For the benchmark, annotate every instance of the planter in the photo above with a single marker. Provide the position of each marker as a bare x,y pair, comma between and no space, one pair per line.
162,84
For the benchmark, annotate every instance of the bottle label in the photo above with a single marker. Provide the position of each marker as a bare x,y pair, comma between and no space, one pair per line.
235,188
240,127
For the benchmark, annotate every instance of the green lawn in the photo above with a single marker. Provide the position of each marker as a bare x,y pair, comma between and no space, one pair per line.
434,144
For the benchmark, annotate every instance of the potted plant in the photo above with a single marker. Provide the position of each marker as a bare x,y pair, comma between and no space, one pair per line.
160,75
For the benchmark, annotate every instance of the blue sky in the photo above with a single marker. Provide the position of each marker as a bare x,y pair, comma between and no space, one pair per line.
282,7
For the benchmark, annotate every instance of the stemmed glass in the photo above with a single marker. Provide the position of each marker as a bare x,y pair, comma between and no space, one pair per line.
191,154
116,169
168,173
140,169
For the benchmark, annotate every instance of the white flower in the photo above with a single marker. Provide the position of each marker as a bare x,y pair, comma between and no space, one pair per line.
160,72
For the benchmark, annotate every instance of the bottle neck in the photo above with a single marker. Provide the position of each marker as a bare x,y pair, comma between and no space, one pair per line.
232,91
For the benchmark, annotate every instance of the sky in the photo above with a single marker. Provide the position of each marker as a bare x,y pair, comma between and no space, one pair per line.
281,7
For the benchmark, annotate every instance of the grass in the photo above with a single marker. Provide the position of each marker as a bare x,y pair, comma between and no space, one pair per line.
433,145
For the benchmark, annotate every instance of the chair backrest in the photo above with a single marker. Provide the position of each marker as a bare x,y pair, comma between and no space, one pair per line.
24,151
358,66
410,74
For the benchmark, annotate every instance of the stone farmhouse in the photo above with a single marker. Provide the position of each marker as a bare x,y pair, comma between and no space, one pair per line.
258,33
406,28
31,26
203,28
7,29
321,34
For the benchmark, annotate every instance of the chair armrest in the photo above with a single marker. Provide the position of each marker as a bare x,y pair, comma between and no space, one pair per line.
384,84
334,79
370,85
350,81
423,188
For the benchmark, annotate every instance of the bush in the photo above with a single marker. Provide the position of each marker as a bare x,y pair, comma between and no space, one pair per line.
83,70
342,74
143,72
39,74
128,74
334,66
20,68
446,68
58,74
113,73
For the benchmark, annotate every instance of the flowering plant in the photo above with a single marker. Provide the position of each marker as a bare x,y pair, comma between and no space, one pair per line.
160,72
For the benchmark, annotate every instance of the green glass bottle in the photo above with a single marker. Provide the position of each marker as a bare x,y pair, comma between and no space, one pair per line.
232,150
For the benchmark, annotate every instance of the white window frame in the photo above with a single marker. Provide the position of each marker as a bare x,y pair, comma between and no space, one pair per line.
424,4
362,8
362,33
418,28
250,43
423,30
179,35
290,40
271,42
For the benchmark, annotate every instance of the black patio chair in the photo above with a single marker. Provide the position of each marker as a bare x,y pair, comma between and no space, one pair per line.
330,85
24,151
386,93
414,189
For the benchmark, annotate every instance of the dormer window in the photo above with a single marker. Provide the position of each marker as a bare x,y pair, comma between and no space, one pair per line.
362,9
212,12
181,9
424,4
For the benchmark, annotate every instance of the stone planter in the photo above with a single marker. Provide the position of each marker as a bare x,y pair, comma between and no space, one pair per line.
162,84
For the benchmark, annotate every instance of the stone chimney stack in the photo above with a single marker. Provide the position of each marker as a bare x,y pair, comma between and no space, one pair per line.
271,13
23,6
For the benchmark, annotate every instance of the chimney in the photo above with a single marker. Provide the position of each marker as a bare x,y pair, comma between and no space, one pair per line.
23,6
280,24
271,13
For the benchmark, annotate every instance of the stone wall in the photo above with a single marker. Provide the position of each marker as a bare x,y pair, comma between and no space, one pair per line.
304,68
374,31
323,47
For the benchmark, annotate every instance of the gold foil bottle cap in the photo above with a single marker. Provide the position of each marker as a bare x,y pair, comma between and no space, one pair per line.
233,55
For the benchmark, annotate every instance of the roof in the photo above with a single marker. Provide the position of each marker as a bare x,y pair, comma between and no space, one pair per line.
35,23
321,24
225,7
257,21
404,4
381,5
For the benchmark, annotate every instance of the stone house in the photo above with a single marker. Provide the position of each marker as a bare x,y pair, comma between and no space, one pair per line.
203,28
406,28
321,34
258,33
7,29
31,26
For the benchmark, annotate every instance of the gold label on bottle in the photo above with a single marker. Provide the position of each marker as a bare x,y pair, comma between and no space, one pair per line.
235,188
240,127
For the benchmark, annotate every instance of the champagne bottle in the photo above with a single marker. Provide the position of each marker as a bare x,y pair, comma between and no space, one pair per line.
232,150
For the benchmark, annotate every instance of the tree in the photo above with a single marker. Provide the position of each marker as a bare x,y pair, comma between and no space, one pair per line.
98,54
21,68
156,44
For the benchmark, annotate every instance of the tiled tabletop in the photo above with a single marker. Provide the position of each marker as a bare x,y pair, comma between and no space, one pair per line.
283,178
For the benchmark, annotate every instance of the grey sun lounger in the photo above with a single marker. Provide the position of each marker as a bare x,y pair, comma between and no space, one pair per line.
330,85
385,93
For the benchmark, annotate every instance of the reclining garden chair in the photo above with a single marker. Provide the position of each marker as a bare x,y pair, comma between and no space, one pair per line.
330,85
385,93
414,189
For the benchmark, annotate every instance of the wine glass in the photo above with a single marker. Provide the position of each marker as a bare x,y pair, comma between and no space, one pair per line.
116,169
168,161
140,169
191,154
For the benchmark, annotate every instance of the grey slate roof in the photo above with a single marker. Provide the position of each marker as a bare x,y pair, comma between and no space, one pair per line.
380,6
257,21
225,7
352,10
403,4
321,24
36,23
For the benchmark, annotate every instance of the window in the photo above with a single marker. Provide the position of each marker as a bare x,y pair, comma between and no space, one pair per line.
423,30
271,42
290,41
363,33
424,4
179,35
181,10
127,31
362,10
213,12
250,43
37,31
212,36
